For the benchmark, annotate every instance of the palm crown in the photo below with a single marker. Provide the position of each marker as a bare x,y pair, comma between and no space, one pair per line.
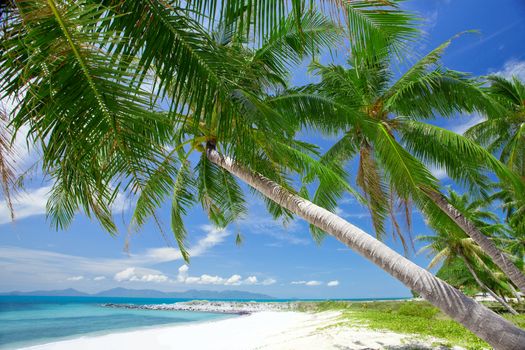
389,134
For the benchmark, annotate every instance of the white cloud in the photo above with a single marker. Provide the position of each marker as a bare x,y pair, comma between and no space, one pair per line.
213,237
183,273
313,283
75,278
307,283
512,68
461,125
268,281
134,274
251,280
234,280
334,283
99,278
121,203
205,279
41,267
30,203
439,173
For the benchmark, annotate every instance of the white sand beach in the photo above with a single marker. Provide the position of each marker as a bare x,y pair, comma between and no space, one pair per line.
267,330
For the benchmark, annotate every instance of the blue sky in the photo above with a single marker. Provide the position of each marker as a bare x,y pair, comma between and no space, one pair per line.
276,260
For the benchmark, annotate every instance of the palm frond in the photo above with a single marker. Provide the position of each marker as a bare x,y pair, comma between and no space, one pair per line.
474,160
183,198
92,120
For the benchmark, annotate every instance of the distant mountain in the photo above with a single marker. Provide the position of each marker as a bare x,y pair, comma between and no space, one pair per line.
131,293
148,293
70,292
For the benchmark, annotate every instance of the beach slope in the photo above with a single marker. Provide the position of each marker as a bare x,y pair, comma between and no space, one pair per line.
262,330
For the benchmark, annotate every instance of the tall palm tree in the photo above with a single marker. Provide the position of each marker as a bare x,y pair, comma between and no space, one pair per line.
449,243
84,71
503,133
393,142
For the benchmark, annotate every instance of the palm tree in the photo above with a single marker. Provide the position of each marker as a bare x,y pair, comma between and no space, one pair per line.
503,133
84,69
500,334
393,143
449,243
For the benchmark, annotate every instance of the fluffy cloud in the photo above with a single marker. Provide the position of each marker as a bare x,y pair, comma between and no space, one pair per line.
99,278
75,278
251,280
133,274
333,283
234,280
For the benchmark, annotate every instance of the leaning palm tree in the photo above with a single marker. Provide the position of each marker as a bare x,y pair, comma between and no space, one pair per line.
91,77
393,142
450,243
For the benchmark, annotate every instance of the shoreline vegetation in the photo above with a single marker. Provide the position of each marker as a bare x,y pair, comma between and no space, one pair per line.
417,321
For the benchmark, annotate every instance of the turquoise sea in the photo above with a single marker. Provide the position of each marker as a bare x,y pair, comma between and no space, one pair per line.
26,321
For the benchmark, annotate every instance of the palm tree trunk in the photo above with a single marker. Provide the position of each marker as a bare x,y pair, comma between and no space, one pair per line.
499,257
485,287
515,292
487,325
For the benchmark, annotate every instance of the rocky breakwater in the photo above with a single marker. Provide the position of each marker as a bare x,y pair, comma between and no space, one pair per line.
227,307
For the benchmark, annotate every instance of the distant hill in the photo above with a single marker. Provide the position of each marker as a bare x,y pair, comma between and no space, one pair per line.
70,292
148,293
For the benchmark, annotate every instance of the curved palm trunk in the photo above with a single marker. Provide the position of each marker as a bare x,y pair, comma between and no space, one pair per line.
500,258
485,287
487,325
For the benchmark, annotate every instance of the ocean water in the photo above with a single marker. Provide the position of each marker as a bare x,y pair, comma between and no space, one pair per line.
26,321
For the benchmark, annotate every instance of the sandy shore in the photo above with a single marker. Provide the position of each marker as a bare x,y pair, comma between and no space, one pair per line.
269,330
